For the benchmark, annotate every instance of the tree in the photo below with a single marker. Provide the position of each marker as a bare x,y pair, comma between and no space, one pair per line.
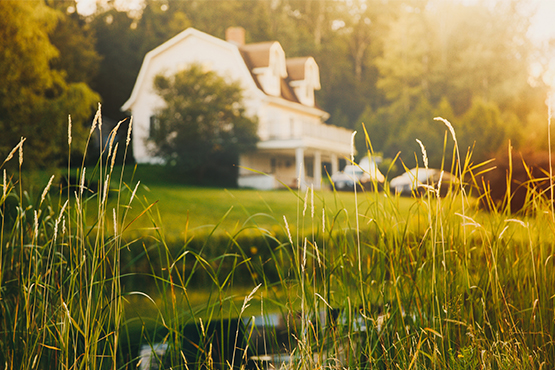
204,127
393,130
35,100
485,129
471,58
453,50
74,39
123,41
120,48
347,57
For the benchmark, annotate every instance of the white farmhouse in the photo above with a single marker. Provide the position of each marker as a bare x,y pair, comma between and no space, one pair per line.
294,140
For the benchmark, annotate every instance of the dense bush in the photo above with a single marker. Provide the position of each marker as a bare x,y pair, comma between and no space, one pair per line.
515,180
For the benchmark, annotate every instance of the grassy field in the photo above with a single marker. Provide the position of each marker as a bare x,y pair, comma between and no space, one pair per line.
179,207
199,211
365,280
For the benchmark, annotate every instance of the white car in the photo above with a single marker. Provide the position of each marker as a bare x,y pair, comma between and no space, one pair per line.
364,175
415,180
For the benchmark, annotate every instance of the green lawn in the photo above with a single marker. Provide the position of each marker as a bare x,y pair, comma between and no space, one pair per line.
177,208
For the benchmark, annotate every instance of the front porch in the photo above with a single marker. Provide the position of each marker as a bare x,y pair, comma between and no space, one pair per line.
274,169
294,151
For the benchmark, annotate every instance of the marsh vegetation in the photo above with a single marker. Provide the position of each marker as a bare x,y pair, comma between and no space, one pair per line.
377,281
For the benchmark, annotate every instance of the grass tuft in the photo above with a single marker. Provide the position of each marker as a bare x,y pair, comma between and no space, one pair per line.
92,280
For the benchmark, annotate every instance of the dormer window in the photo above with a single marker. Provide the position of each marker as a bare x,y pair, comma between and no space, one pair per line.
269,61
273,72
273,82
305,78
276,70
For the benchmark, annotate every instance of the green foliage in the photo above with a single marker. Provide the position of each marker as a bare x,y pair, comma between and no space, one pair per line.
118,45
35,99
447,56
437,284
352,40
123,42
74,39
483,129
453,50
394,130
204,127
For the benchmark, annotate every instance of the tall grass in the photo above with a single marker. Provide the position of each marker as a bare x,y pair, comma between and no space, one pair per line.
61,303
444,286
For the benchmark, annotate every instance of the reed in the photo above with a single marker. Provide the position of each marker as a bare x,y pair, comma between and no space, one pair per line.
442,286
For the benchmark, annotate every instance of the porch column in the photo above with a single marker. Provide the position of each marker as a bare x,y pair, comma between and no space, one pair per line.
299,165
317,170
334,164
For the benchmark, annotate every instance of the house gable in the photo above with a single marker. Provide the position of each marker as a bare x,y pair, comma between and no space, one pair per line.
188,47
261,68
304,76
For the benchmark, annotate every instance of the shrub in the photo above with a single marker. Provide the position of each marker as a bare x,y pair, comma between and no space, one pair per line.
516,182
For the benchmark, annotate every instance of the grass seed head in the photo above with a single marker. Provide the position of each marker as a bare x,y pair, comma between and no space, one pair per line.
16,148
21,151
96,119
69,130
449,126
82,185
134,191
46,189
288,231
353,146
105,190
114,157
115,221
249,298
36,224
128,140
424,153
10,155
113,134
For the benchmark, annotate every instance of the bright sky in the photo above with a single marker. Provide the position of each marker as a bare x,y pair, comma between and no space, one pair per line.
89,6
543,23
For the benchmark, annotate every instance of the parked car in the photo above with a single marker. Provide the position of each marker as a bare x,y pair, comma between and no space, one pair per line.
364,175
417,179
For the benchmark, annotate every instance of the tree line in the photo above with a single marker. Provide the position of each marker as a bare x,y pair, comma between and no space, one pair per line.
390,65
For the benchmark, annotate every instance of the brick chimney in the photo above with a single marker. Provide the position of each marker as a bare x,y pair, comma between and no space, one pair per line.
235,35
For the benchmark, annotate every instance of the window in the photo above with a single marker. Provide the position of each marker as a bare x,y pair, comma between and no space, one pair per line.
309,168
154,126
276,70
272,83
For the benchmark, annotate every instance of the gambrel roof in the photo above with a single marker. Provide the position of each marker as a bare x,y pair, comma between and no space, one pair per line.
271,72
